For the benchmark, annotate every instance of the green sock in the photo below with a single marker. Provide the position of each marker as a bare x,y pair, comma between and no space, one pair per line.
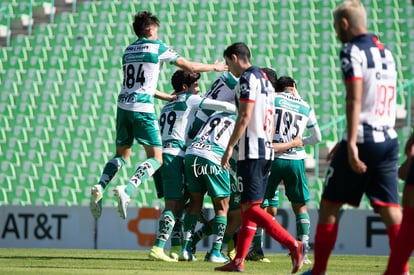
257,240
190,222
219,226
143,172
177,232
110,170
166,225
204,231
303,226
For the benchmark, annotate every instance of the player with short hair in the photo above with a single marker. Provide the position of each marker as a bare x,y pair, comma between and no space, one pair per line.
253,134
136,119
174,124
204,174
366,160
293,117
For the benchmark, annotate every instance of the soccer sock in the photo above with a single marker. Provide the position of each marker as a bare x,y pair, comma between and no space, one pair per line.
177,232
403,246
244,238
325,239
219,226
110,170
302,227
392,233
258,237
166,225
143,172
271,226
190,222
226,239
205,231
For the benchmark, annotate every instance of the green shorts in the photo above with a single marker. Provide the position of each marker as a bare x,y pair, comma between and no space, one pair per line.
172,175
143,127
272,202
204,176
293,174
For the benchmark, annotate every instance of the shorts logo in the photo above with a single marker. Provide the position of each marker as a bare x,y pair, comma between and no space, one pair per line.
205,169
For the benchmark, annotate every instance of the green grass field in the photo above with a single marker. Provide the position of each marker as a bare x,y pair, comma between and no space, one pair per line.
70,261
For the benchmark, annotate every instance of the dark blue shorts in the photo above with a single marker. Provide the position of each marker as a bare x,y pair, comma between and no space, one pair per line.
252,176
379,183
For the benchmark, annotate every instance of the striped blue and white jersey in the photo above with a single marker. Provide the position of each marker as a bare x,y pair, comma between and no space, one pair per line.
175,118
366,58
212,139
292,117
141,63
256,142
222,90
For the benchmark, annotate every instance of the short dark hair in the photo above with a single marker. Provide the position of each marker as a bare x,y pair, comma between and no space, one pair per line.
283,82
239,49
142,21
181,77
271,75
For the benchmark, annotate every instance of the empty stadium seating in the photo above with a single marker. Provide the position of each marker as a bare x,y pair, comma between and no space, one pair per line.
58,86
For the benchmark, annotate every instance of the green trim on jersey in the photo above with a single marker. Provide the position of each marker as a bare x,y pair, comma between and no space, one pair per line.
290,104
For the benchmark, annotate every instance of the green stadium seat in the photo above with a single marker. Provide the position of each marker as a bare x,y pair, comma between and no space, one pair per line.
67,197
43,196
20,196
3,197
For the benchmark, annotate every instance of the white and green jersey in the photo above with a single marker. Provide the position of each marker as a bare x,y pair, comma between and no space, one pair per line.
222,90
292,116
177,115
141,63
212,139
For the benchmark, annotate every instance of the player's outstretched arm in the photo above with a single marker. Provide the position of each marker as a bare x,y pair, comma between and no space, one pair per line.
200,67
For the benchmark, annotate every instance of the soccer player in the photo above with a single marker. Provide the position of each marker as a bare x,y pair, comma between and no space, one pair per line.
174,124
136,119
293,117
404,244
253,134
366,160
204,174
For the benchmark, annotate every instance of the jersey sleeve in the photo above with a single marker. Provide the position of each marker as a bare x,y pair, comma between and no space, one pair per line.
167,54
351,63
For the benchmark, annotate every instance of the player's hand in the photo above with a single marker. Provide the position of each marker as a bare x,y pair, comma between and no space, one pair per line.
356,164
220,66
297,142
225,160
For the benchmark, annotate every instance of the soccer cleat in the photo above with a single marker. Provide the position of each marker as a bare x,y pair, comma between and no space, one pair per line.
175,252
309,272
123,200
95,204
188,256
231,250
306,259
216,257
256,254
297,255
233,266
231,254
157,253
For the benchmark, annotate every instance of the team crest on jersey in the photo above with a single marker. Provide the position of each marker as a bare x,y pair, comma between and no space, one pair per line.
346,64
244,90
